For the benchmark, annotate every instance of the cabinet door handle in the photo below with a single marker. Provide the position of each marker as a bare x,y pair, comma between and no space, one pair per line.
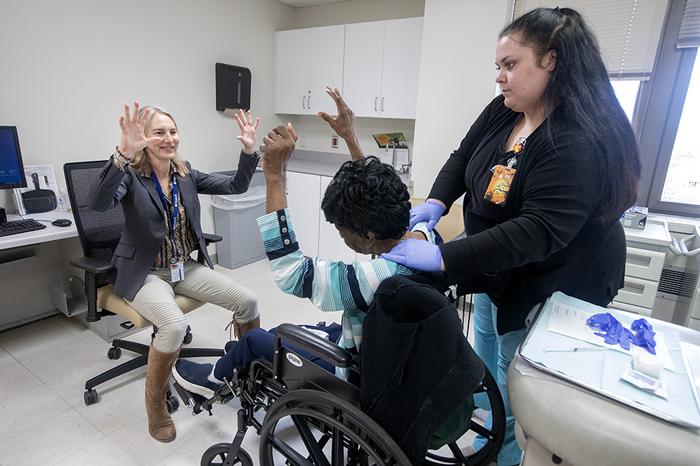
308,102
375,103
381,106
303,102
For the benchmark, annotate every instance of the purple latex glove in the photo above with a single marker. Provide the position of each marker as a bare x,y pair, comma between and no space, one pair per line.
611,330
644,335
416,254
430,211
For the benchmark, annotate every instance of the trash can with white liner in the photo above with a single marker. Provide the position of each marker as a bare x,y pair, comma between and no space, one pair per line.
235,221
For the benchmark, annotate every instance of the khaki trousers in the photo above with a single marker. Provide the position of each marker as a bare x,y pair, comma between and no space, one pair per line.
156,301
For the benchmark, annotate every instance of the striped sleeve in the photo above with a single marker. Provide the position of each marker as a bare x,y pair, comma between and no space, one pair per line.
330,285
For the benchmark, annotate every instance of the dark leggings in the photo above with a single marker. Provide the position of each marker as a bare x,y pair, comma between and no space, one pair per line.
259,343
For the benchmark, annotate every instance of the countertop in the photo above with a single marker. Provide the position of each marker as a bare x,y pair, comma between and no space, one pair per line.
655,232
316,163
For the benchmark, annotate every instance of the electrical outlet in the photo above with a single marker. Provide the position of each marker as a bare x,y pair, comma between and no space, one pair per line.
334,141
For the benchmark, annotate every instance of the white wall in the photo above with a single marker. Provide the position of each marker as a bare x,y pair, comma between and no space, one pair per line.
314,133
456,80
69,65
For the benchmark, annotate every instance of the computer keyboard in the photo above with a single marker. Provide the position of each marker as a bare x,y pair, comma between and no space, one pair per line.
20,226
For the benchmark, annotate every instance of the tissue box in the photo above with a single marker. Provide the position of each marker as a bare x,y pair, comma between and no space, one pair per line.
635,217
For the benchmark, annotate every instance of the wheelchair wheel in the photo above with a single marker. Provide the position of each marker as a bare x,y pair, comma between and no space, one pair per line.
324,430
456,454
217,454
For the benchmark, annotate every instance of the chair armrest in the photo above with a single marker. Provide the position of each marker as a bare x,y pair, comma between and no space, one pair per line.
313,343
92,265
211,238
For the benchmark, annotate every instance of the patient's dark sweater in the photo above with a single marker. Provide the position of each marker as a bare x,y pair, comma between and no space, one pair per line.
549,236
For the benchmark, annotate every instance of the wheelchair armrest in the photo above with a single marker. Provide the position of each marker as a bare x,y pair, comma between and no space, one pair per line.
211,238
313,343
92,265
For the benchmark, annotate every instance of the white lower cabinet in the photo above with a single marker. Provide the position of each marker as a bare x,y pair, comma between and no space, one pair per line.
643,265
330,244
304,203
315,235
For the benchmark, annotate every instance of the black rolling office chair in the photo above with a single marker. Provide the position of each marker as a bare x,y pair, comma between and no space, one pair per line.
99,234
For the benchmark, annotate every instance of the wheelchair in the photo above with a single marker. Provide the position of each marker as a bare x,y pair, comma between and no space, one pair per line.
313,418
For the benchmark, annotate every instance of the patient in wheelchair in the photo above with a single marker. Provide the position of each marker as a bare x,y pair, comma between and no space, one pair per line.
369,205
420,389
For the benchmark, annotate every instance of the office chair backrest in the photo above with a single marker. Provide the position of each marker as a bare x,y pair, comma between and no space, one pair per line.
99,232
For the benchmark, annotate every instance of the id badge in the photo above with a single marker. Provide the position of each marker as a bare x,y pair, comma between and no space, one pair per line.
177,272
497,190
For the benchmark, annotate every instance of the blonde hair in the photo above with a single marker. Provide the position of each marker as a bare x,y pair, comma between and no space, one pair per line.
139,162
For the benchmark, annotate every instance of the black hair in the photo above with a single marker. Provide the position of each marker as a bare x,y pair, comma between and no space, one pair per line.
368,196
579,93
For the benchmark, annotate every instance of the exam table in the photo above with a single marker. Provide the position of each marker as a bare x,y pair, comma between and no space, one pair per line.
560,423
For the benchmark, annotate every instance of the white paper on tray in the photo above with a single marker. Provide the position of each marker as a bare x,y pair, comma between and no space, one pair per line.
571,322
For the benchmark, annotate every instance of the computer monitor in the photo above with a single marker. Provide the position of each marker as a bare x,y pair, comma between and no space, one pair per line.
11,168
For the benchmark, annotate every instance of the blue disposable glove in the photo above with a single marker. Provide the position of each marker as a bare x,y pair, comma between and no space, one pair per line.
644,335
430,211
611,329
416,254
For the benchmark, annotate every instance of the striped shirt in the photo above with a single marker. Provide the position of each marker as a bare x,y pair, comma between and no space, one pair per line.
330,285
184,241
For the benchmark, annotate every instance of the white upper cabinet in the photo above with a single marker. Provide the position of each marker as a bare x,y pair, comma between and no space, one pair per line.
402,47
292,60
381,67
325,67
375,65
307,60
362,76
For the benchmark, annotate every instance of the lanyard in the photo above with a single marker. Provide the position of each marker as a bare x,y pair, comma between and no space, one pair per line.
176,206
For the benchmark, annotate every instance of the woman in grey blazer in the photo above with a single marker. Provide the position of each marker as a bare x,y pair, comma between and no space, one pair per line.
158,192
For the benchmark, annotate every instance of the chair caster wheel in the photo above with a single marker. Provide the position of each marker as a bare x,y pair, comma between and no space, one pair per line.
188,339
90,397
114,353
217,455
171,403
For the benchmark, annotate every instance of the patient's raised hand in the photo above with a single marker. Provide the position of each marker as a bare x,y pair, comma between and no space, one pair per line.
343,123
277,148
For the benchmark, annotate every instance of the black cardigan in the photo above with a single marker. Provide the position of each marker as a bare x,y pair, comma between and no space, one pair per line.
548,237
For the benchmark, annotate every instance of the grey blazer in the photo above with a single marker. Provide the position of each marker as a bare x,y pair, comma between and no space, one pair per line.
144,225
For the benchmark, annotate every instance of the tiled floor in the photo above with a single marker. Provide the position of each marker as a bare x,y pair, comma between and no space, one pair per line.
44,365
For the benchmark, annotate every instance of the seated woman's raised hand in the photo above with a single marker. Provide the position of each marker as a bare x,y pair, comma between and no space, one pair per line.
249,129
133,136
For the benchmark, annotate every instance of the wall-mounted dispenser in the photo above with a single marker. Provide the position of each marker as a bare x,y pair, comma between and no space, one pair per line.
232,87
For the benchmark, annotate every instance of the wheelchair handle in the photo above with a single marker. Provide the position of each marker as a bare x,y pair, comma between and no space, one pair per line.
313,343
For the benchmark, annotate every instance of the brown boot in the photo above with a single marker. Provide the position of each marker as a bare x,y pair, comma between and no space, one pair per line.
242,329
160,424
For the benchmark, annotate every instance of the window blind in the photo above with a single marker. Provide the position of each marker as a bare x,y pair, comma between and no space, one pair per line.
689,33
628,31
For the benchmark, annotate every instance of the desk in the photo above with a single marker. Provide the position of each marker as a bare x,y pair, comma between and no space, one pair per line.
35,269
50,233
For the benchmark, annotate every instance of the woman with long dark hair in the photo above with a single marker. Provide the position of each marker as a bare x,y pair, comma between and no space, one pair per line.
547,168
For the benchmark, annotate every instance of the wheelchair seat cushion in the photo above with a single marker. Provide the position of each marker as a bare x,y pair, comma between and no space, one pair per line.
417,367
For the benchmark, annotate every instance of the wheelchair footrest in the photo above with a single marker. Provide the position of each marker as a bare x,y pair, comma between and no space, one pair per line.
192,400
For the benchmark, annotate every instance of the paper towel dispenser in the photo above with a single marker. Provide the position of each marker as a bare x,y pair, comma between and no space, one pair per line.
232,87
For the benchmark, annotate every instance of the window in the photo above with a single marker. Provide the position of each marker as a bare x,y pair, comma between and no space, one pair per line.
667,126
682,182
626,92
